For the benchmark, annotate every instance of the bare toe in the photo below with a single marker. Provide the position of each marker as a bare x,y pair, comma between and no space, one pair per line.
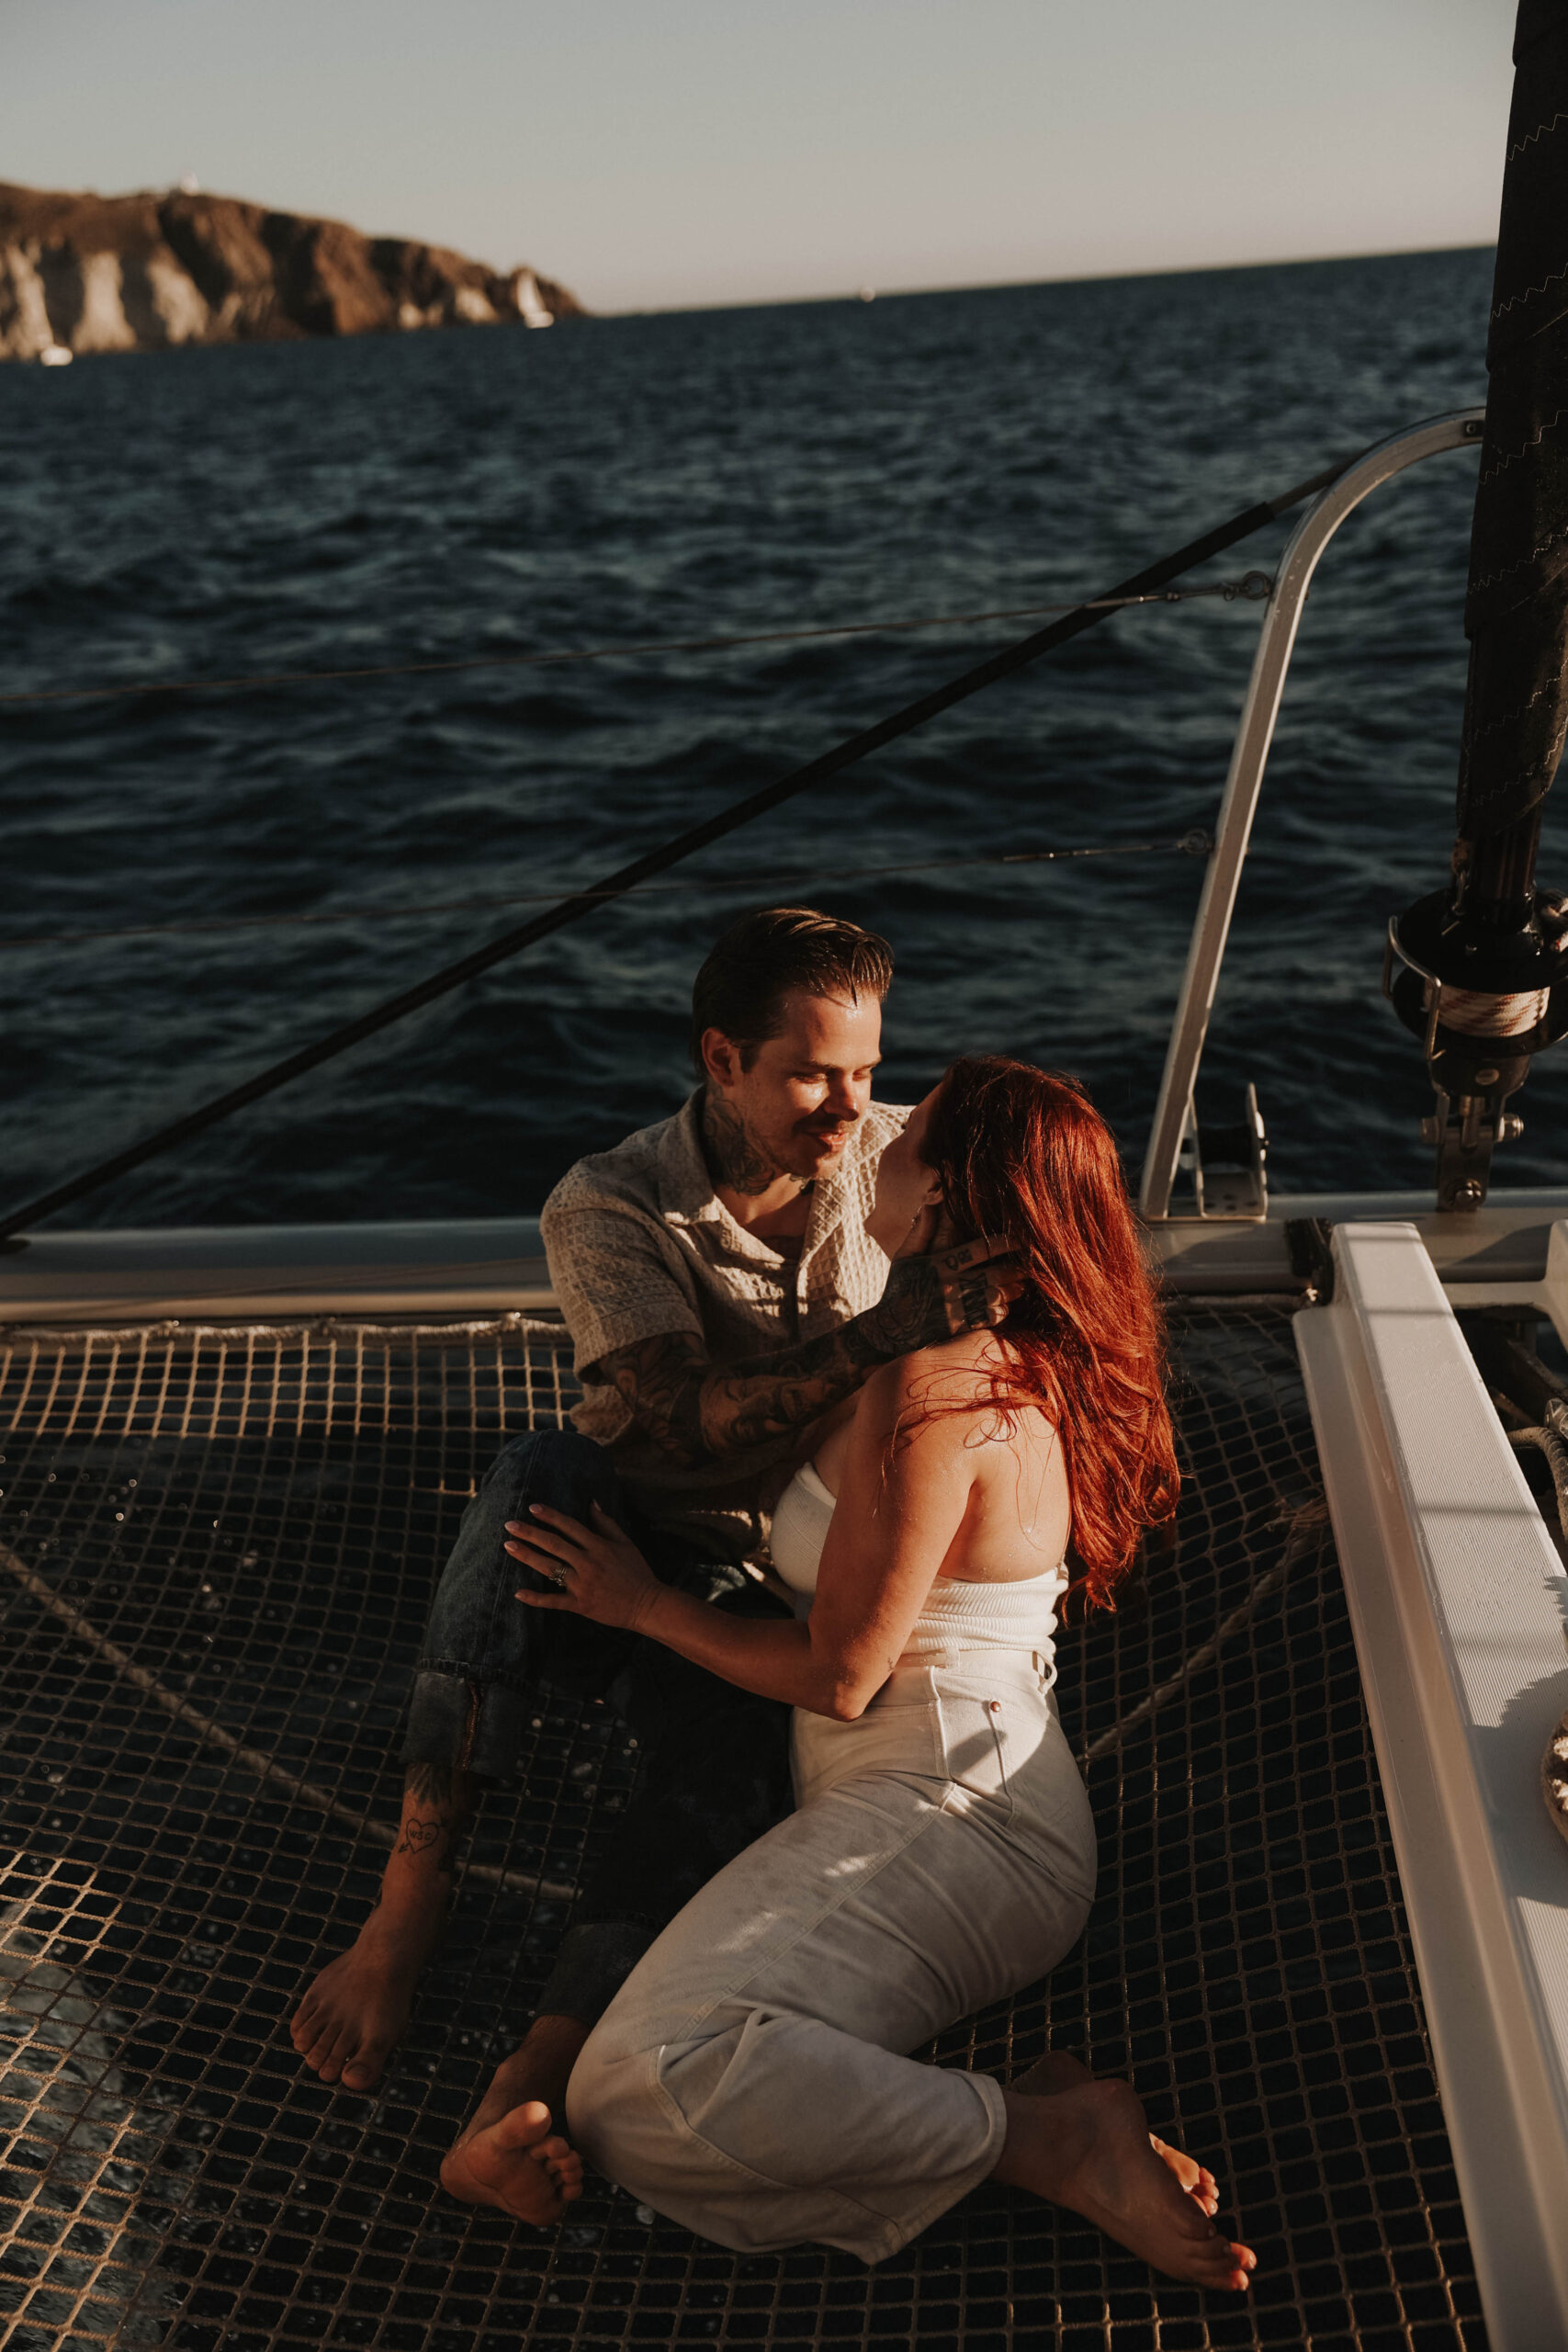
516,2164
364,2069
1195,2178
350,2020
1091,2149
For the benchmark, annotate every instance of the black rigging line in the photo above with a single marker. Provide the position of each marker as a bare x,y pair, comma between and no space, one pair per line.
1193,843
1252,589
670,853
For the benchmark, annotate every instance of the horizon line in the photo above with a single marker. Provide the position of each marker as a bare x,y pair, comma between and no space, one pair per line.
1015,284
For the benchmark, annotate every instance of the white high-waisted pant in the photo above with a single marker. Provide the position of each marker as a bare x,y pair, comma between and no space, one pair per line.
748,2079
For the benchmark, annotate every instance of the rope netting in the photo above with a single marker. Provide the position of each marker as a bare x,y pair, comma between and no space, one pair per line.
219,1547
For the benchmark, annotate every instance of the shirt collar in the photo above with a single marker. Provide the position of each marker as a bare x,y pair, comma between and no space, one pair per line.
687,1196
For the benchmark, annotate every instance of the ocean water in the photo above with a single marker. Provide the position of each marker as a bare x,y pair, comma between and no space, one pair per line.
209,513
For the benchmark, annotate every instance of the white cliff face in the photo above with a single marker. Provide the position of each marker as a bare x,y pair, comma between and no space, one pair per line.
101,301
25,330
172,299
101,323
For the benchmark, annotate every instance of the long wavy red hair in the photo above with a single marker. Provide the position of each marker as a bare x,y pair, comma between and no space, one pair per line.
1021,1152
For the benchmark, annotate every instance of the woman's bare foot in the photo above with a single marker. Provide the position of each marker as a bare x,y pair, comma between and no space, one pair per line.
352,2017
1059,2072
1089,2148
516,2164
534,2176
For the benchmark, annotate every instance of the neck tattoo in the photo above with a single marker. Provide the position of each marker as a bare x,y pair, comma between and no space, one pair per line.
736,1158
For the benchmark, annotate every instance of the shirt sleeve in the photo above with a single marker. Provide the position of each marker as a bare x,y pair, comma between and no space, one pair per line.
615,1280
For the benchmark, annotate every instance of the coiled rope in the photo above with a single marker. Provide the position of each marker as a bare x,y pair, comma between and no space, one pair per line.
1552,1441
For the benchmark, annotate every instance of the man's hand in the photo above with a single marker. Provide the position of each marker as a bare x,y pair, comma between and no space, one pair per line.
598,1571
696,1413
929,1299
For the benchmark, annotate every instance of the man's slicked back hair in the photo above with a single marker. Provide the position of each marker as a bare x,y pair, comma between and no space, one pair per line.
765,957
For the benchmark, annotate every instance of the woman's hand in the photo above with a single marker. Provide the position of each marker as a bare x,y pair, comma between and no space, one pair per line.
598,1570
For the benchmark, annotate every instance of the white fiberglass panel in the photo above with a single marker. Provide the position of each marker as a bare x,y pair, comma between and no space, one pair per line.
1458,1603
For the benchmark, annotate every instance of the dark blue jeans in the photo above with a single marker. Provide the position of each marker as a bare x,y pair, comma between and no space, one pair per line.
715,1759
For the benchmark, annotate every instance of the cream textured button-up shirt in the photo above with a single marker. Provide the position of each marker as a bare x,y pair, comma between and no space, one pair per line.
639,1245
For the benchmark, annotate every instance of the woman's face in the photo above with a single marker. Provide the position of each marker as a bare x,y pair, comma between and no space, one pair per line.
907,1193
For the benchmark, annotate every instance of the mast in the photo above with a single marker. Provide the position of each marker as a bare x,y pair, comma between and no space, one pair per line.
1486,967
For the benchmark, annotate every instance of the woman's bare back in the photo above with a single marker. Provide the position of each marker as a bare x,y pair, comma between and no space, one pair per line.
1018,1513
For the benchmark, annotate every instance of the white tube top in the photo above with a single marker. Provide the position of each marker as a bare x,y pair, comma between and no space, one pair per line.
957,1615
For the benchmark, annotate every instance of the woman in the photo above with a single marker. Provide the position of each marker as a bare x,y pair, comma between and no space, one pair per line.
749,2080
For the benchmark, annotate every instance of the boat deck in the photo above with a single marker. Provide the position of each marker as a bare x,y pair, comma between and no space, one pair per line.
218,1547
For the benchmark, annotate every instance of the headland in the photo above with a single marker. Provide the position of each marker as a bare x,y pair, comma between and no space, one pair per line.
85,272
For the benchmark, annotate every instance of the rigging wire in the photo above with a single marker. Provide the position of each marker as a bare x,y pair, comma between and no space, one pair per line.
1255,587
994,667
1193,844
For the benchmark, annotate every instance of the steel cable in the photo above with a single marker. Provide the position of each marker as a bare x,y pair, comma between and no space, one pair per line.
1254,588
1193,844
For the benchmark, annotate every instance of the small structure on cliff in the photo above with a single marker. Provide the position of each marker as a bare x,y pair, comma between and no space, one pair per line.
138,273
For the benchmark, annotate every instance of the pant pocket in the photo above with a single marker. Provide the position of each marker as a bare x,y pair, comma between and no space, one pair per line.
987,1739
901,1739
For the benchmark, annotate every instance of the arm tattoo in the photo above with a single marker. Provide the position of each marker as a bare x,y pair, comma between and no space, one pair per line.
662,1381
698,1412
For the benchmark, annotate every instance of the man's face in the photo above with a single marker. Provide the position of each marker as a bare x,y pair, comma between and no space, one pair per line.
808,1086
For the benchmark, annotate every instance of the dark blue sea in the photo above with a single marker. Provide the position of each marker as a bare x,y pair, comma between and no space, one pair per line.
319,505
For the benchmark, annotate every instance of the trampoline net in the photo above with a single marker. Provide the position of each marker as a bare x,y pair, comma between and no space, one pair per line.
242,1530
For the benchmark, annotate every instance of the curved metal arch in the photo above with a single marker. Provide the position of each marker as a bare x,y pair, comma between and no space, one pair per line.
1249,755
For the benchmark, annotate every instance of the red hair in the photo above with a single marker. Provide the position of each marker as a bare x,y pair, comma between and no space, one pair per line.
1024,1153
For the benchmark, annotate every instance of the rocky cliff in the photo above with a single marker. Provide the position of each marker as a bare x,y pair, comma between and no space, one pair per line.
137,273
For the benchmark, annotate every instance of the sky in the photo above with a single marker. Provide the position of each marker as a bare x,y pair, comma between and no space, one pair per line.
660,155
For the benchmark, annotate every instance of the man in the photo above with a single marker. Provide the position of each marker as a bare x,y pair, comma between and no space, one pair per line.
722,1293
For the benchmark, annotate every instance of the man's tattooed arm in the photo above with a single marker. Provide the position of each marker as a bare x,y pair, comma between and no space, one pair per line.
697,1413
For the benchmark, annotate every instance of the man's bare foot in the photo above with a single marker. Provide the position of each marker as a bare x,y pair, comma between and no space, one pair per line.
1059,2072
353,2015
527,2172
1089,2148
516,2164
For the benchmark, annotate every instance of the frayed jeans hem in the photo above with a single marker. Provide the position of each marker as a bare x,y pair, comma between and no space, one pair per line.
468,1725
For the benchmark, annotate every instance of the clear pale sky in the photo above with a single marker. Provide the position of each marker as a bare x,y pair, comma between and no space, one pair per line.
669,154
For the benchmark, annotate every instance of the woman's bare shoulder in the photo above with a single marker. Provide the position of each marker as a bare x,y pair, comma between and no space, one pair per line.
950,1379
